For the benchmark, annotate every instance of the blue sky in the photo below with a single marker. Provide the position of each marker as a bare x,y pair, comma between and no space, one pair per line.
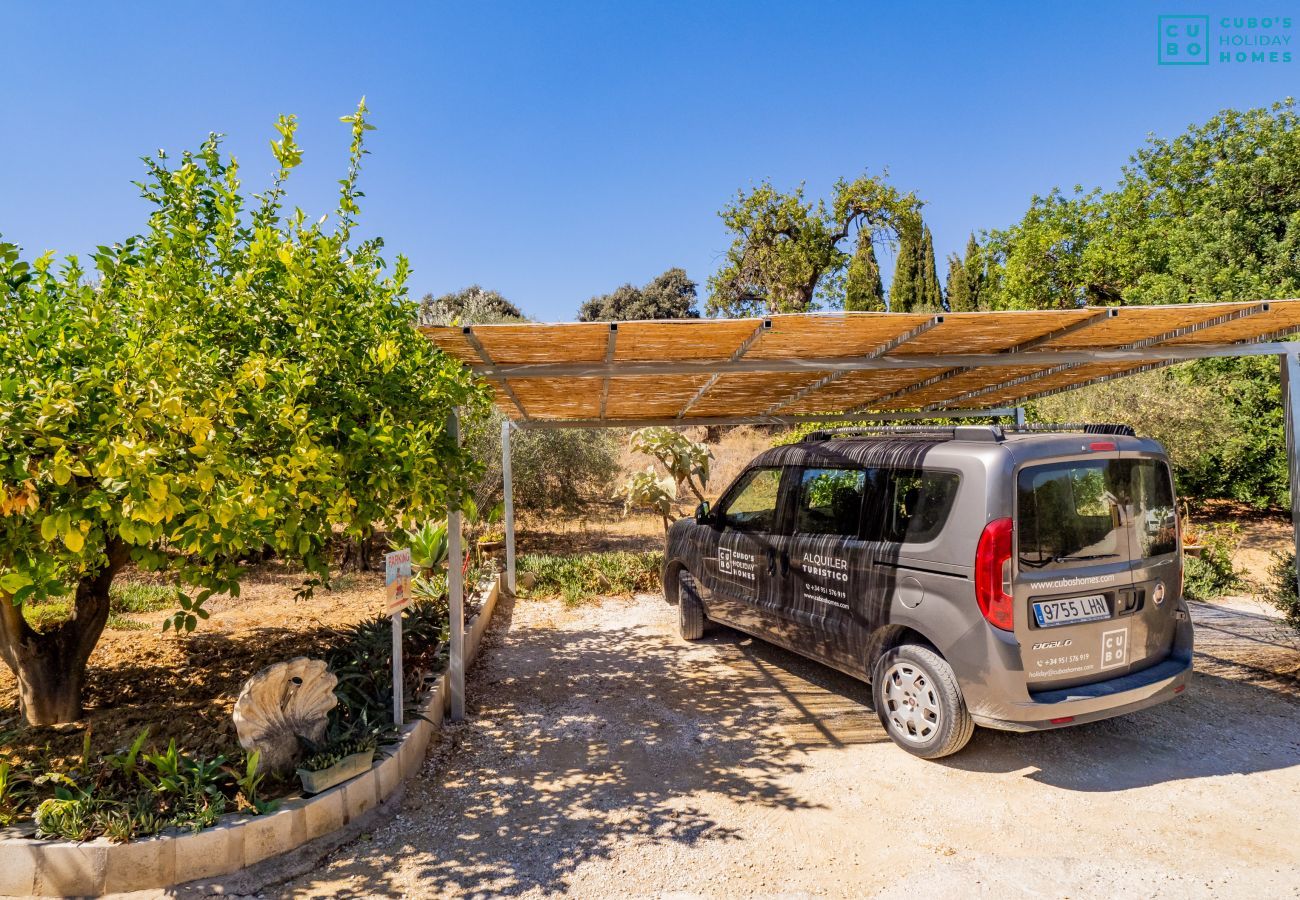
557,150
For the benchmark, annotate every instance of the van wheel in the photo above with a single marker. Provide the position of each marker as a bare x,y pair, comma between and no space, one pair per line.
690,611
919,703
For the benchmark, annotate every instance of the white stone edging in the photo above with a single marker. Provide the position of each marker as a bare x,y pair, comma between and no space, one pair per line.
62,868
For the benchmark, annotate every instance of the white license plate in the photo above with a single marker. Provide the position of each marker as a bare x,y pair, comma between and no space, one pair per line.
1071,610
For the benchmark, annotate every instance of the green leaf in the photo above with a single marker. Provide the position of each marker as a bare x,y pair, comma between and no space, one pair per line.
12,582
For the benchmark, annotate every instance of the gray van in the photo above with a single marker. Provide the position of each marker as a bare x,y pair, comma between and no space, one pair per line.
1015,578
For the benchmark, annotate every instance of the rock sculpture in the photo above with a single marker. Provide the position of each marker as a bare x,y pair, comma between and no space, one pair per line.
280,706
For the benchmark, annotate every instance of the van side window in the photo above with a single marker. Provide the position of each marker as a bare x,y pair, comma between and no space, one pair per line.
830,501
908,506
752,505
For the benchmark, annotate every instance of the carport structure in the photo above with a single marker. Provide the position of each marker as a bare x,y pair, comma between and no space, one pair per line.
841,367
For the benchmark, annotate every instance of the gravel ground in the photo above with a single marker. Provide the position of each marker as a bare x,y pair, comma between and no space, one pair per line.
605,757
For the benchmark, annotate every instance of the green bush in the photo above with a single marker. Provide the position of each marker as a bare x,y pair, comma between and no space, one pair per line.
1211,574
591,575
1281,588
553,468
1219,419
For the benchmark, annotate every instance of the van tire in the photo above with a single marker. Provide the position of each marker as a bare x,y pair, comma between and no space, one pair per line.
955,725
690,611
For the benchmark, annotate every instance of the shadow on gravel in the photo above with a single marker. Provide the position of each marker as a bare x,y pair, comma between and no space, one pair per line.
1223,725
591,738
585,740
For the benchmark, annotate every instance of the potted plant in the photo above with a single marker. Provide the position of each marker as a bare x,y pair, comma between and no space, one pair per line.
337,763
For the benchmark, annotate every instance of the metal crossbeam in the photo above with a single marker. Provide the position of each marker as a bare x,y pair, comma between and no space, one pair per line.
1100,379
892,344
745,345
610,343
1022,347
1135,345
472,339
515,371
759,419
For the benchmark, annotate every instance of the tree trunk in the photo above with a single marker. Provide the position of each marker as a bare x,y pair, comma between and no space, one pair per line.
50,666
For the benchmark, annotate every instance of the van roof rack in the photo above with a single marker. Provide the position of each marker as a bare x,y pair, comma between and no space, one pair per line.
985,433
1085,427
953,432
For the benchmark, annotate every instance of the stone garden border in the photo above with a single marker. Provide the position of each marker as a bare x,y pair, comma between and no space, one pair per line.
62,868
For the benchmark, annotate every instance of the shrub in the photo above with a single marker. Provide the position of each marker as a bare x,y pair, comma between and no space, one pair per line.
685,460
591,575
362,658
1211,574
646,489
1219,420
1281,588
554,468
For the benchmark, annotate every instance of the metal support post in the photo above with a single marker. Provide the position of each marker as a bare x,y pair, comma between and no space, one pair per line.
509,499
1290,365
399,691
456,590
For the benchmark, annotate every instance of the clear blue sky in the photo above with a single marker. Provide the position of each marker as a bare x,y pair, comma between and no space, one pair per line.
556,150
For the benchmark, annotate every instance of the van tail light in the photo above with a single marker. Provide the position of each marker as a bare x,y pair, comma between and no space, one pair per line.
993,574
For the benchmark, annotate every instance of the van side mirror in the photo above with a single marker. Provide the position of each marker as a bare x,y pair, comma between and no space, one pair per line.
702,511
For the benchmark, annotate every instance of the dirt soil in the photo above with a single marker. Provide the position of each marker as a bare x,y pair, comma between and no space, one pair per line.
185,687
606,757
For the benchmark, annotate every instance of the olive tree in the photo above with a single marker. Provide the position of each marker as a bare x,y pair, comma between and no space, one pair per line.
788,254
235,377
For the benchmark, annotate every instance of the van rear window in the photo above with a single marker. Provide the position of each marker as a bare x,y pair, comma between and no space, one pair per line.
1094,511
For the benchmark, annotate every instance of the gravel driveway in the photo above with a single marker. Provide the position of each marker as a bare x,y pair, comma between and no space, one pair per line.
605,757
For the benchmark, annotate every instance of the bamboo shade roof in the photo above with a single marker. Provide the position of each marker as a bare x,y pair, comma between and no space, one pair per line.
787,367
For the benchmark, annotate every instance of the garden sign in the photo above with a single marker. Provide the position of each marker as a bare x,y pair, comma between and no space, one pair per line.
397,580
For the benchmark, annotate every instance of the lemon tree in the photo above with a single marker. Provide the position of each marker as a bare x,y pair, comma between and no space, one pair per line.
235,377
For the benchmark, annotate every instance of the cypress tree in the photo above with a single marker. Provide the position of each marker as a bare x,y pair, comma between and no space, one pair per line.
959,292
863,290
974,266
905,290
931,295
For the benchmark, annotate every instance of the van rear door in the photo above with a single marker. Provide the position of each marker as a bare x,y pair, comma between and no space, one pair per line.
1096,550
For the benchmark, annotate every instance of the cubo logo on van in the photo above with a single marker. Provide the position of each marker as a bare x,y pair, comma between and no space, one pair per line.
1158,595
